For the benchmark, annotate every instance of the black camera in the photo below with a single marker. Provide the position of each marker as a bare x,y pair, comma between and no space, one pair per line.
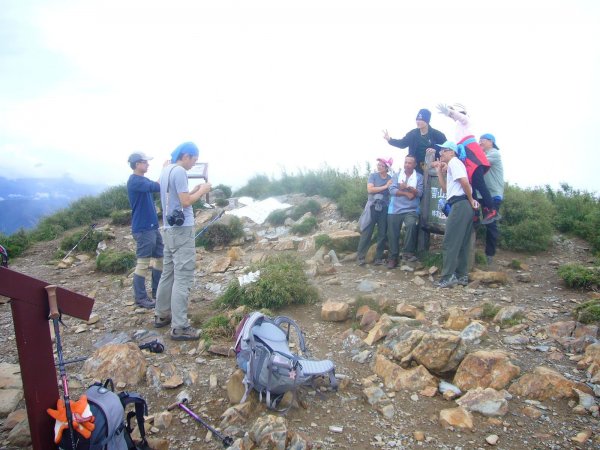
176,218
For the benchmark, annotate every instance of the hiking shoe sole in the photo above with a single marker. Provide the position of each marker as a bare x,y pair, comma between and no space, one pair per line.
159,322
185,334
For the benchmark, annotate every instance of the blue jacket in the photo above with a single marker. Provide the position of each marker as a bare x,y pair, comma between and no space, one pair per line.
143,211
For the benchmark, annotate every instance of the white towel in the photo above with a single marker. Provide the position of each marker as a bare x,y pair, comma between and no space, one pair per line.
412,180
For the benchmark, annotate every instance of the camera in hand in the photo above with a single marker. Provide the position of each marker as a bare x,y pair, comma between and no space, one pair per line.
176,218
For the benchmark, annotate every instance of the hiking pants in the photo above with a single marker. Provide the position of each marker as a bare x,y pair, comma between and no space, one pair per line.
457,239
492,232
149,253
478,183
395,221
178,275
378,218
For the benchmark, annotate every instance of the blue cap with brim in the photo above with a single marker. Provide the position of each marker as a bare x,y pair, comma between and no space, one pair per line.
449,145
490,137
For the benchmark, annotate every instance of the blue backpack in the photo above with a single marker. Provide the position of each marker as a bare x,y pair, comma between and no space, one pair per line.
113,430
270,367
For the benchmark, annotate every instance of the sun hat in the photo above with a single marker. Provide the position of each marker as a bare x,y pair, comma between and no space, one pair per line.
449,145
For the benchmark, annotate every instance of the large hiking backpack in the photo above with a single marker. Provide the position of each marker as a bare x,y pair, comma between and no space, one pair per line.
270,367
112,429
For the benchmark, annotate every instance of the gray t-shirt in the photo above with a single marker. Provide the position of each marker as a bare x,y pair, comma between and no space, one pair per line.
175,177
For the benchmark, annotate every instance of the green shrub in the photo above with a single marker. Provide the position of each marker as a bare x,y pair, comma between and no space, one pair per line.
282,282
16,243
306,226
310,205
218,326
86,240
588,312
352,202
577,212
579,276
480,259
277,217
121,217
222,202
514,320
526,224
113,261
430,259
46,231
220,234
489,311
225,189
323,240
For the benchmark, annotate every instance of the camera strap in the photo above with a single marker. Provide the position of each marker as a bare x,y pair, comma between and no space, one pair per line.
167,195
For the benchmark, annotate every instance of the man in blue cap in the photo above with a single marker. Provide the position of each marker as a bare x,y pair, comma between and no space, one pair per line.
419,140
494,180
144,228
179,260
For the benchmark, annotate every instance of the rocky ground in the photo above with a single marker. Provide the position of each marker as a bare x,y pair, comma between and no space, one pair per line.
390,394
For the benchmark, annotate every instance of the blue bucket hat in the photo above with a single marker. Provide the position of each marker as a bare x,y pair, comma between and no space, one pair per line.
449,145
489,137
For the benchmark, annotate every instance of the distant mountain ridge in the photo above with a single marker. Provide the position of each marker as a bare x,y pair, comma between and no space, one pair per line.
24,201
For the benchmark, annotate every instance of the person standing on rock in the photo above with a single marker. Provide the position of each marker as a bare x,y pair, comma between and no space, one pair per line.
375,212
405,193
419,141
144,228
454,181
494,179
180,250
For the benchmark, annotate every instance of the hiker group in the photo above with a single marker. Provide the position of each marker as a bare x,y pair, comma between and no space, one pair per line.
171,262
470,173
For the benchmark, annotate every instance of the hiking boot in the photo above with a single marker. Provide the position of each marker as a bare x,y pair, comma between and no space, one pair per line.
185,334
489,260
463,281
392,263
160,322
378,262
409,257
361,261
490,215
448,282
145,303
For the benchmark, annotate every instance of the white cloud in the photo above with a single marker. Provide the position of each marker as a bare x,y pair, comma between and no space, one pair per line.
266,86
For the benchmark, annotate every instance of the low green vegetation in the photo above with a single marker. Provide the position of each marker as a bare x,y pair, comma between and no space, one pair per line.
277,217
579,276
113,261
514,320
526,224
306,226
225,189
282,282
220,234
87,240
588,312
121,217
480,259
218,326
489,311
312,206
430,259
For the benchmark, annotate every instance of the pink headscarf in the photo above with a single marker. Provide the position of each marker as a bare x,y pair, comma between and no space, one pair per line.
387,162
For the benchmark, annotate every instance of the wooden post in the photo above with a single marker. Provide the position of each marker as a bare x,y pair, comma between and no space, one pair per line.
29,305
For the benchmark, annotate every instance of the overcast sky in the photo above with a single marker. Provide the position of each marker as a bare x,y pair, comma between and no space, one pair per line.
268,86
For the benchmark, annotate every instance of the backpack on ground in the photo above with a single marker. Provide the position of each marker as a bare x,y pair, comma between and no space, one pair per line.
112,429
270,367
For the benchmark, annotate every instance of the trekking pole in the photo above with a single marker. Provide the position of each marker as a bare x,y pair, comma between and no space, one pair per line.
56,318
92,226
226,440
213,220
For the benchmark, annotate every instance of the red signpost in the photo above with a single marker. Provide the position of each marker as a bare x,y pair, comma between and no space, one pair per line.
29,304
